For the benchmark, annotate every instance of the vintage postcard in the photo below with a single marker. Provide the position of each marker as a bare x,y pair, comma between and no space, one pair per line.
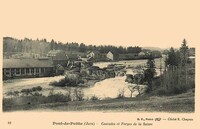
99,64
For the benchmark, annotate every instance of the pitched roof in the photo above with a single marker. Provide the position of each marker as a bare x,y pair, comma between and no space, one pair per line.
109,52
95,52
26,63
53,52
57,55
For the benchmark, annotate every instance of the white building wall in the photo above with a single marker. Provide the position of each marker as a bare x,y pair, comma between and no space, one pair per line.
109,55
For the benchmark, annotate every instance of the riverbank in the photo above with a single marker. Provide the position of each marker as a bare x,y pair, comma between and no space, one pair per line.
181,103
110,94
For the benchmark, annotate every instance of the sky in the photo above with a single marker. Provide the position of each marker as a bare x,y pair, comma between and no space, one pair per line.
152,23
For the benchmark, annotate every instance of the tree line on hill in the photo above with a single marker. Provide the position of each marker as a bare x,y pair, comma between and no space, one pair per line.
11,45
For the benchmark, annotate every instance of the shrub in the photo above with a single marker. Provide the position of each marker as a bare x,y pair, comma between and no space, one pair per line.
13,93
191,72
138,79
59,97
121,94
30,91
139,67
16,93
26,91
162,91
69,80
94,98
60,83
36,94
129,78
38,88
78,94
174,81
81,81
7,102
178,90
51,92
10,93
192,84
156,82
68,94
15,102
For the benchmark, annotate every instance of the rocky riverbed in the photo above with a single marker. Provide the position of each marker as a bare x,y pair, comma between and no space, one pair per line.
101,87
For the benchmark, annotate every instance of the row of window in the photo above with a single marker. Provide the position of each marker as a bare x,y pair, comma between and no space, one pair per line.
24,70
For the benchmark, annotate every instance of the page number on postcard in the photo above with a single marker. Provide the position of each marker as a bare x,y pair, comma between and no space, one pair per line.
9,122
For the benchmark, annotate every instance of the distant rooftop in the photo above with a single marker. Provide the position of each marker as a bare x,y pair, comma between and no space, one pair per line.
57,55
26,63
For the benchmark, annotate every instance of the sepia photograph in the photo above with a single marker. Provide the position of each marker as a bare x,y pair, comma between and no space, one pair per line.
99,64
55,76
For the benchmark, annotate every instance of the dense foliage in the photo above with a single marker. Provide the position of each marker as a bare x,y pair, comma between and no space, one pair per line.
179,74
150,71
43,46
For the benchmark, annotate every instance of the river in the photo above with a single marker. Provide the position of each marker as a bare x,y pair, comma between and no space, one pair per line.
111,88
132,63
108,88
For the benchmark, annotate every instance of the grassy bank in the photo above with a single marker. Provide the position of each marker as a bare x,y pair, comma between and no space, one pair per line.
177,103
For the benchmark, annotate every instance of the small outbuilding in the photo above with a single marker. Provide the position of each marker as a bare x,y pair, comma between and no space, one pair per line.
110,56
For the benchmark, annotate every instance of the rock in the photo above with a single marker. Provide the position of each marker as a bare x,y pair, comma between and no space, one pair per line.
129,78
138,78
116,67
84,72
121,74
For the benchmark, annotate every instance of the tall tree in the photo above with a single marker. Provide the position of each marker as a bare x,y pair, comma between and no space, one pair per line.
82,47
150,71
52,44
184,53
173,59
